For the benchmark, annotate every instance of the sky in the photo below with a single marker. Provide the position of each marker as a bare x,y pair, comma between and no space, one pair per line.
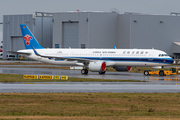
163,7
158,7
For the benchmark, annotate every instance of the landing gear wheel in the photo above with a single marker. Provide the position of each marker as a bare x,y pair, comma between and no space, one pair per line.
84,71
102,72
161,73
146,73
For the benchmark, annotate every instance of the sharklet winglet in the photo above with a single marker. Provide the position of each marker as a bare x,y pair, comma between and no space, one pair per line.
35,52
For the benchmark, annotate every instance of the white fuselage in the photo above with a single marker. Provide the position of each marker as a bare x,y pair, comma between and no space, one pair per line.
112,57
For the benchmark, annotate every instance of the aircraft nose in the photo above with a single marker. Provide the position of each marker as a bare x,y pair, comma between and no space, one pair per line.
172,60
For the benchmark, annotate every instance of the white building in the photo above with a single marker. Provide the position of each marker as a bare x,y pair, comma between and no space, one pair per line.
96,30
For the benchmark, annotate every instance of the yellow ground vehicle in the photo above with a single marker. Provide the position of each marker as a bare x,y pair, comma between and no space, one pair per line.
171,71
22,58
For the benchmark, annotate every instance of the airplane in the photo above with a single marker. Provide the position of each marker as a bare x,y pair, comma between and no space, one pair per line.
96,60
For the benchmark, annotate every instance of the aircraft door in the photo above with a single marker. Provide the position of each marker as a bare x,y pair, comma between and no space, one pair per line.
151,56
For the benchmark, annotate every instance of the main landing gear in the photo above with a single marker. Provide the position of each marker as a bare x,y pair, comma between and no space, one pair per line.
84,71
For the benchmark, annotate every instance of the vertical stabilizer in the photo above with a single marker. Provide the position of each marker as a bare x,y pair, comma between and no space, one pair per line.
28,38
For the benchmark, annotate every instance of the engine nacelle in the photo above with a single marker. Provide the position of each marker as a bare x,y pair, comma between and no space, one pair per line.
97,66
122,68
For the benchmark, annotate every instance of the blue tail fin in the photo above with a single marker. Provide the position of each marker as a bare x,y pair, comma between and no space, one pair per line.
29,39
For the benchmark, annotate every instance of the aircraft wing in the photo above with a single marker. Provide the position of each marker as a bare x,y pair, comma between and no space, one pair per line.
22,53
57,57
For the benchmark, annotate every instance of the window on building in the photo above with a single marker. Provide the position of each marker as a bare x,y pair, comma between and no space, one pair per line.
56,45
83,46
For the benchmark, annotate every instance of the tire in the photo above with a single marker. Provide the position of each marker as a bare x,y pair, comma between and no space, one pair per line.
146,73
161,73
102,72
84,71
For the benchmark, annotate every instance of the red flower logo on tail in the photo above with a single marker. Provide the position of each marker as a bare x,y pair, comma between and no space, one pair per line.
27,38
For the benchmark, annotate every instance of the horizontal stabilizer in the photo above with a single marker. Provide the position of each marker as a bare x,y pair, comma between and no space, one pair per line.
22,53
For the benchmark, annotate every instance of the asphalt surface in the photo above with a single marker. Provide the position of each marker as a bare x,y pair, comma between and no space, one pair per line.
153,84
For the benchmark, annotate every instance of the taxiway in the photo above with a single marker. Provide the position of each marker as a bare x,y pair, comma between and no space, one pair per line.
153,84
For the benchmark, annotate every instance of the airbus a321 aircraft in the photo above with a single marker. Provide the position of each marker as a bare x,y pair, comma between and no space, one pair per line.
95,60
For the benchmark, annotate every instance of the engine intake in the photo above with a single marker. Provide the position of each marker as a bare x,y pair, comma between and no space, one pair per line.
97,66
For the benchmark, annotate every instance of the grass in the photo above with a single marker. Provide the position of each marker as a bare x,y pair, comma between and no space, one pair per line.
20,78
103,106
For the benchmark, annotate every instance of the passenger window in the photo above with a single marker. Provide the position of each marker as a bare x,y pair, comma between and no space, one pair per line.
142,52
137,52
124,52
128,52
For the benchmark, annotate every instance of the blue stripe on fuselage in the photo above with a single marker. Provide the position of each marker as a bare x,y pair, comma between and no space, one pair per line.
125,59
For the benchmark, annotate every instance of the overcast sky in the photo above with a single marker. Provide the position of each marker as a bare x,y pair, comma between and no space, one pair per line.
162,7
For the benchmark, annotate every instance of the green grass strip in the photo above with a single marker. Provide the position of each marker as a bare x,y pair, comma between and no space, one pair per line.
20,78
107,105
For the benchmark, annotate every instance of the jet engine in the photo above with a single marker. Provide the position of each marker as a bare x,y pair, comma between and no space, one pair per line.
121,68
97,66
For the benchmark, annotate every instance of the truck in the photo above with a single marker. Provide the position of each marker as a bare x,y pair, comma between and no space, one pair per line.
171,71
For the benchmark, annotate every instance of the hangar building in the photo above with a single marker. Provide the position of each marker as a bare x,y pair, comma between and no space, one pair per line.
96,30
39,23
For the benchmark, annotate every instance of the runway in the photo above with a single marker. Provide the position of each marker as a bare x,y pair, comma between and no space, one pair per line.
153,84
89,87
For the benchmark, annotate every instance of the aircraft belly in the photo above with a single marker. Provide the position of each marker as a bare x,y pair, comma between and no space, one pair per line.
140,64
66,63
